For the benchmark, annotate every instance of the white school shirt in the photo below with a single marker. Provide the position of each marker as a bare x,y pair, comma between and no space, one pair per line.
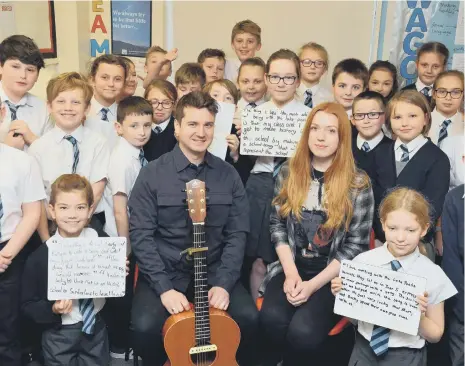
455,128
265,164
32,110
231,69
75,315
19,183
372,143
105,128
243,104
438,287
96,110
454,149
319,94
55,156
413,146
420,86
123,170
162,125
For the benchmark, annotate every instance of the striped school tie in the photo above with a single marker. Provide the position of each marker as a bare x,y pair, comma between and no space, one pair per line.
75,151
425,91
379,342
404,158
443,131
157,130
142,159
86,308
365,147
13,109
105,114
308,99
278,163
1,215
252,105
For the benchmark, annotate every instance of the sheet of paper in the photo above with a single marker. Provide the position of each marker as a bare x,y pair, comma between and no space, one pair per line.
459,32
80,268
457,62
380,296
223,125
271,132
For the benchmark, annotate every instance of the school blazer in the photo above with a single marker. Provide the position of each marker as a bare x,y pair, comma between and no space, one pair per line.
427,172
365,160
414,87
160,144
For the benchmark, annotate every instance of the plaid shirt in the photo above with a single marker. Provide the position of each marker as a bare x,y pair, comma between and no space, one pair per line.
345,244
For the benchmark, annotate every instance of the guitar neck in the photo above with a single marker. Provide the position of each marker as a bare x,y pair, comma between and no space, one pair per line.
202,310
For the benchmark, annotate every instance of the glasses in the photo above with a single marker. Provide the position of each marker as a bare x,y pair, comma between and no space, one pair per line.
288,80
454,94
307,63
370,115
166,104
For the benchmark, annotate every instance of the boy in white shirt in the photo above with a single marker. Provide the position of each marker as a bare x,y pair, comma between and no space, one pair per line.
246,40
20,203
212,62
71,147
158,64
20,63
314,63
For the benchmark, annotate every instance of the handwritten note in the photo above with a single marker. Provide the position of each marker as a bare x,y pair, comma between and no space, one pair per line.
459,33
86,268
271,132
223,125
380,296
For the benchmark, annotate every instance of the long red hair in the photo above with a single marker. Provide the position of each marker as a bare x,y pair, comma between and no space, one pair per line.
339,179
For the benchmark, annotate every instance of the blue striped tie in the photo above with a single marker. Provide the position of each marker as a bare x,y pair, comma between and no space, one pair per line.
365,147
86,308
1,215
404,158
443,131
142,159
278,163
75,151
105,114
309,99
157,130
425,91
379,342
13,109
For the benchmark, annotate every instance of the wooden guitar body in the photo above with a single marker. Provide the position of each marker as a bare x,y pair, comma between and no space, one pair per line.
179,338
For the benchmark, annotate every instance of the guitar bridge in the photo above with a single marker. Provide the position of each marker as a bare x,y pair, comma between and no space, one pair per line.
203,349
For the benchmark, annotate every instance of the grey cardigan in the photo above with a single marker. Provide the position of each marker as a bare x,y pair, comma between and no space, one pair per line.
345,244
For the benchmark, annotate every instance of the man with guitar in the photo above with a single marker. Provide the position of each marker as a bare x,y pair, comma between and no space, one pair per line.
161,231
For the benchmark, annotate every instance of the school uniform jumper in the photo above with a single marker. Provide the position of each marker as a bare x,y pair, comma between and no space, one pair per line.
160,142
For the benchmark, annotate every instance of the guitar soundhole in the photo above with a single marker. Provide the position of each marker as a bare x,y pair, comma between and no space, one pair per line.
204,358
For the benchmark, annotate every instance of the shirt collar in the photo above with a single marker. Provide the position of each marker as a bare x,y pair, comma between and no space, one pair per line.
412,145
440,117
132,150
59,134
25,100
420,86
162,125
98,107
372,143
386,257
244,104
287,107
181,161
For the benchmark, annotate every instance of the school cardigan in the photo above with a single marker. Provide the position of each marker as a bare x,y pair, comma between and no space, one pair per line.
345,244
427,172
365,160
161,143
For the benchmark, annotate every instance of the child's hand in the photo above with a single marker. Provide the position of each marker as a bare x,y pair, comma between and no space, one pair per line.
336,285
233,143
171,55
62,306
21,127
127,266
238,124
423,302
5,261
15,140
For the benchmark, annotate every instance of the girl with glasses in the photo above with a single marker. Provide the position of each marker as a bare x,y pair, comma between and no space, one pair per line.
162,95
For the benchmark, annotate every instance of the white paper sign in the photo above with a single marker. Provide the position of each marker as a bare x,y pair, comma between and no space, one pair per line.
271,132
380,296
81,268
223,125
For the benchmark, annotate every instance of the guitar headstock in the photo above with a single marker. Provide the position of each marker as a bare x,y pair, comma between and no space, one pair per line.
196,202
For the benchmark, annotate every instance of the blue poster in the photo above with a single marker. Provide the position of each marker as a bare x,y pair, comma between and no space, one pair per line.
131,27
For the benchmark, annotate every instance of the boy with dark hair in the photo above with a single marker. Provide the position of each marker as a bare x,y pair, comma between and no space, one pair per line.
212,62
189,77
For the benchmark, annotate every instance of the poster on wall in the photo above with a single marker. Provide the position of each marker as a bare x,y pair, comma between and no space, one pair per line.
418,22
131,27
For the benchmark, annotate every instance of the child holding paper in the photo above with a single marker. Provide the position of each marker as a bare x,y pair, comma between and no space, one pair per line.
406,217
73,331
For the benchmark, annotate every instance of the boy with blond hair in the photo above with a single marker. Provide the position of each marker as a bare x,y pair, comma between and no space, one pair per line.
158,64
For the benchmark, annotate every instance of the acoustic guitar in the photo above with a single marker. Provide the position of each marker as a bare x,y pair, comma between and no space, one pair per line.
204,336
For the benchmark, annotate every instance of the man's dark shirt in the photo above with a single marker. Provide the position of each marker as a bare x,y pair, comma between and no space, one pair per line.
160,227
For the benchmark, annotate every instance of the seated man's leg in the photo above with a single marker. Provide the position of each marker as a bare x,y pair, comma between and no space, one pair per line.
244,311
148,315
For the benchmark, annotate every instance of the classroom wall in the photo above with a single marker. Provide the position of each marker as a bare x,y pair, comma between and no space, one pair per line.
198,25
